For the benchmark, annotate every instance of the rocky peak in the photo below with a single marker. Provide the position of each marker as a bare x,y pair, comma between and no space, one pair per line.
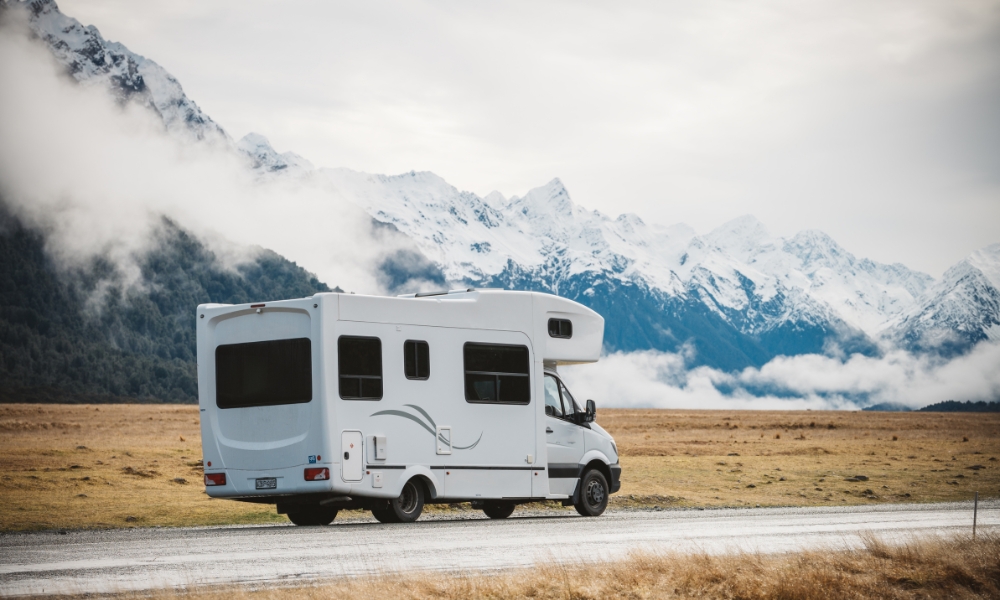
263,158
129,77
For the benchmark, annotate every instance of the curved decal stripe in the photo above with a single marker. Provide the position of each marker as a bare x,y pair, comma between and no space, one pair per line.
476,443
399,413
431,429
423,412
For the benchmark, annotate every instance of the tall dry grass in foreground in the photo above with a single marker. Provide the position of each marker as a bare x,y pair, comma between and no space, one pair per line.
938,568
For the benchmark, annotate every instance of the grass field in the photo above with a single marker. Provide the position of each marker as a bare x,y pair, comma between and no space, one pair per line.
921,569
76,466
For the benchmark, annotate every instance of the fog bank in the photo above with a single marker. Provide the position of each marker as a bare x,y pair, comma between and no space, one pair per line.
811,381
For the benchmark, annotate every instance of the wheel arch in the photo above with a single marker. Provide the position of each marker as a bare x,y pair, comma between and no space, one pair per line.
424,476
601,466
594,460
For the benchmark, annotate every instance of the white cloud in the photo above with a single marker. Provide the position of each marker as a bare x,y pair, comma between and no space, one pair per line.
811,381
96,177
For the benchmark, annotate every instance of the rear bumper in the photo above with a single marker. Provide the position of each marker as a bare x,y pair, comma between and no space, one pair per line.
616,478
242,483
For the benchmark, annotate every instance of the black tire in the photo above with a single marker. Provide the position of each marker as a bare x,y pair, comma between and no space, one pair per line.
593,494
313,516
383,515
409,505
498,510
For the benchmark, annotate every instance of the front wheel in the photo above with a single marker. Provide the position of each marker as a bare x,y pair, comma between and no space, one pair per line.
313,516
593,494
498,510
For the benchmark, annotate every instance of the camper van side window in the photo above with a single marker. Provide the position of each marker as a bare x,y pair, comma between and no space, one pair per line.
416,360
497,374
560,328
360,365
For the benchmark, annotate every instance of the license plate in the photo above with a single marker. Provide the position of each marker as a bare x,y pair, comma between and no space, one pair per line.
267,483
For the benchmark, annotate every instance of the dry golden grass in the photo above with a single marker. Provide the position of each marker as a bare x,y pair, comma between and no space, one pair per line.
112,465
740,458
954,568
76,466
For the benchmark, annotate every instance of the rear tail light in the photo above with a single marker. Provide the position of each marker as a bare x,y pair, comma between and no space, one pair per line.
215,479
317,474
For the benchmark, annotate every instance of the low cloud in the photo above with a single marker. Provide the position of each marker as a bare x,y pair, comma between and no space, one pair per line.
661,380
97,177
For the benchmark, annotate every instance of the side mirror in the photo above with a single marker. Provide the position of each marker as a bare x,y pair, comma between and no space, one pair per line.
591,411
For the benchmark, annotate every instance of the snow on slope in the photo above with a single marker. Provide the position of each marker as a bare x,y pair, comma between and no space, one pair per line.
473,238
959,311
264,159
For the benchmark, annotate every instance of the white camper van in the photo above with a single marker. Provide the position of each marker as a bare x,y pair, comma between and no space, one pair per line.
344,401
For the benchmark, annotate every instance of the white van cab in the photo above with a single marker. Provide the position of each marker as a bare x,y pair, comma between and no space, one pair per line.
343,401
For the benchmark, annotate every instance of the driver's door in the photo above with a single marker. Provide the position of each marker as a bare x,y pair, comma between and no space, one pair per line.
564,439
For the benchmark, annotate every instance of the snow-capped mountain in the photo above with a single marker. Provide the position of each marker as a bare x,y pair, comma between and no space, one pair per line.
92,60
959,311
737,276
734,297
129,77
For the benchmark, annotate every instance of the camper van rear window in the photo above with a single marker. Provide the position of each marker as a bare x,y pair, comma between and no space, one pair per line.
416,359
263,373
497,374
360,366
560,328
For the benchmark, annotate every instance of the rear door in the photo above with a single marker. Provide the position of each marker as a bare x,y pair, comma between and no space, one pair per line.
264,399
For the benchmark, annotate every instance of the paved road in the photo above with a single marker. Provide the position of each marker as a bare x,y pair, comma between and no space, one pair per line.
137,559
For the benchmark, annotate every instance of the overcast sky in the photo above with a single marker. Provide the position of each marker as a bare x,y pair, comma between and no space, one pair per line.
877,122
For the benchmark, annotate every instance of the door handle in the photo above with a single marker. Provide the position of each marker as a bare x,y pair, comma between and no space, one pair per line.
548,430
347,455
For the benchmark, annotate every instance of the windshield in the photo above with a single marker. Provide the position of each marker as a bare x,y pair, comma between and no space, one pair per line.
553,406
558,401
569,404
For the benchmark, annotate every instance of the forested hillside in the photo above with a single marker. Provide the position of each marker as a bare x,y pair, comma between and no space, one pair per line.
967,406
84,335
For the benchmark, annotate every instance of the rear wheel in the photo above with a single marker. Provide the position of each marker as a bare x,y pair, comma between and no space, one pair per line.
382,515
317,515
406,508
498,510
409,505
593,494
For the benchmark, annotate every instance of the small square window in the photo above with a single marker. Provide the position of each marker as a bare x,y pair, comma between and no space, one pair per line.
416,359
360,366
560,328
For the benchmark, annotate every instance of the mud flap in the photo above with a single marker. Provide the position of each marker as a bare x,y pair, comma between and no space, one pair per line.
616,478
575,498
